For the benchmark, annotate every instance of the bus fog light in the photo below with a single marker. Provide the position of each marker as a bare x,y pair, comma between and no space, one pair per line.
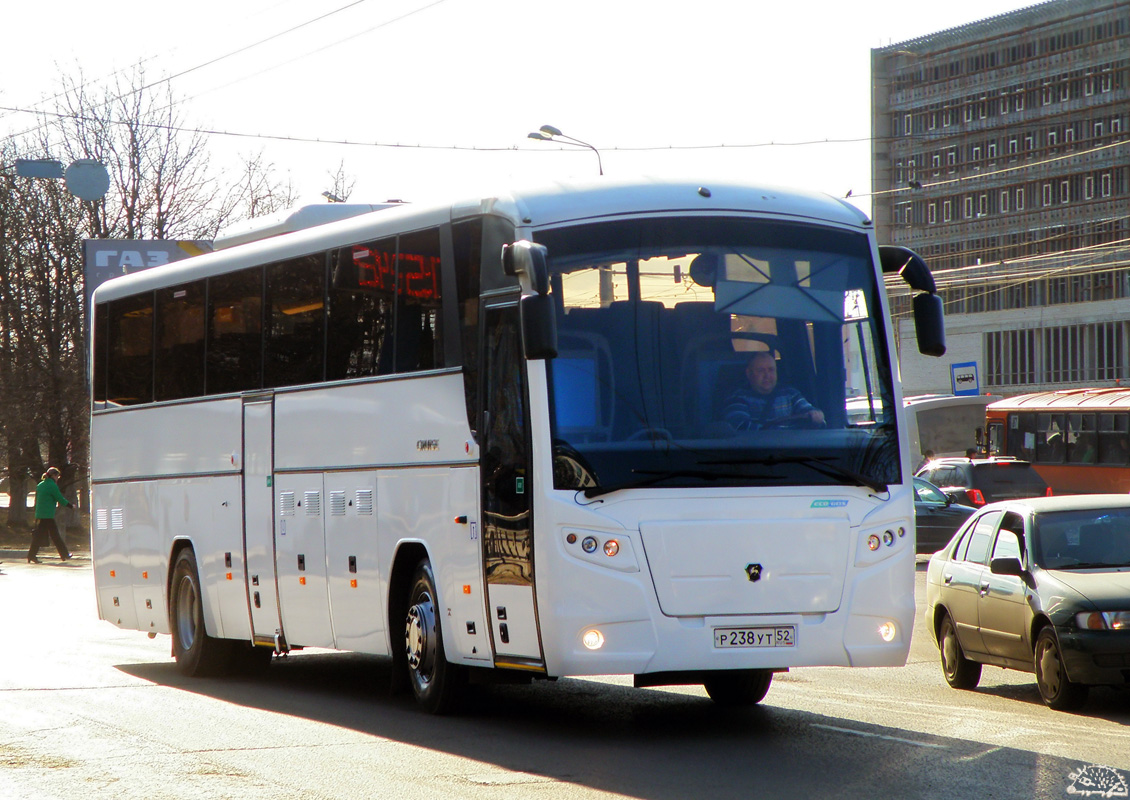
887,631
872,542
588,544
611,547
888,538
592,639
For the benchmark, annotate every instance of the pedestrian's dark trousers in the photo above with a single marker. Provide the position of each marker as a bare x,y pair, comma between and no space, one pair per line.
46,529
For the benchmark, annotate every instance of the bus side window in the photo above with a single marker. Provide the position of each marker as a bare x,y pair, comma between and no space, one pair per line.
419,310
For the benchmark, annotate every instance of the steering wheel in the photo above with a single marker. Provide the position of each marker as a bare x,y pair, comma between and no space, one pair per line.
794,420
654,434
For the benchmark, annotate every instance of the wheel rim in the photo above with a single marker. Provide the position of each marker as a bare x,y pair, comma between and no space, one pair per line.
186,612
1049,669
419,640
950,651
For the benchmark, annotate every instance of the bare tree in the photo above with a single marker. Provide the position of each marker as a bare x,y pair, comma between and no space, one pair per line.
341,185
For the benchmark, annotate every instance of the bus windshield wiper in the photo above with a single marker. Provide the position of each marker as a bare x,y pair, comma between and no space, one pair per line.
657,476
821,465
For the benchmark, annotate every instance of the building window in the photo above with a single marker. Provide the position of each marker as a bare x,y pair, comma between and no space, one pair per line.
1004,201
975,156
947,211
1116,125
932,120
1089,84
932,213
1053,138
968,112
1028,142
1020,100
1013,146
951,160
1046,194
982,205
1046,95
936,161
1098,132
969,206
907,126
1104,184
1020,199
1065,191
1089,188
1106,81
992,151
1069,135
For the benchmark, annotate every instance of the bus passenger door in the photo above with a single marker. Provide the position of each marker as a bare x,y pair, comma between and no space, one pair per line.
258,518
508,542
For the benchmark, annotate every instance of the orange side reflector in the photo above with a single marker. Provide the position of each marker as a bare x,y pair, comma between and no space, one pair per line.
353,583
113,573
302,581
466,588
145,575
229,576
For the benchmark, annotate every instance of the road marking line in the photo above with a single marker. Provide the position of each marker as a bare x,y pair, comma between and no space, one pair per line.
880,736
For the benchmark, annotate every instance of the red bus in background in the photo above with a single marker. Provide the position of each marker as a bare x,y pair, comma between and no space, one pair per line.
1077,439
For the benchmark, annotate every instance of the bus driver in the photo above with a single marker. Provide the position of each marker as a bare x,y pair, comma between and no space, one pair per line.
763,403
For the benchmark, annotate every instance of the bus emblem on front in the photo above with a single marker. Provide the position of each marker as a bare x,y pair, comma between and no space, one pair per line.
753,571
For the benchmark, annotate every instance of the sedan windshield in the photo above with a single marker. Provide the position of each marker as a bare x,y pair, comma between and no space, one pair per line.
706,351
1083,539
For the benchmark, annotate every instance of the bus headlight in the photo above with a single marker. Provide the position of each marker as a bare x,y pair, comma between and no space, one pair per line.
873,543
592,639
888,631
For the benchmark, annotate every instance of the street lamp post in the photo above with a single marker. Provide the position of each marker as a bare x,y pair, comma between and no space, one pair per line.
548,133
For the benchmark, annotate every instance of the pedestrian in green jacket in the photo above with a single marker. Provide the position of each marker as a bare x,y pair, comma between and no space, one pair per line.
47,499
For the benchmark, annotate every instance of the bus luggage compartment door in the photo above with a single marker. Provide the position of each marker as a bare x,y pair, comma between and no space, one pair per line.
258,519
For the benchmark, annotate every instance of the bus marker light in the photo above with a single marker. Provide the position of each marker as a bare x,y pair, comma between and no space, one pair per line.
145,575
887,631
611,547
466,588
302,581
571,538
229,576
872,543
588,544
592,639
113,573
352,583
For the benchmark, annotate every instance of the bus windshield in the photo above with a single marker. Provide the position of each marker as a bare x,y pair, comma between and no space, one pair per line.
717,351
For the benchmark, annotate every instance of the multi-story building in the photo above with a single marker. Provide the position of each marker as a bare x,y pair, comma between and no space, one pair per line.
1001,154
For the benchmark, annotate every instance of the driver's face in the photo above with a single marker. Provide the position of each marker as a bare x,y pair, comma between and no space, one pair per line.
762,374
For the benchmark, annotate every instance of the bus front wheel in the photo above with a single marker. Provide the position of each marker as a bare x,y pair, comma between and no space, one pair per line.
197,654
738,688
434,681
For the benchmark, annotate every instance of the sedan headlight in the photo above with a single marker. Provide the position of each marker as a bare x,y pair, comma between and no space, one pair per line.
1103,620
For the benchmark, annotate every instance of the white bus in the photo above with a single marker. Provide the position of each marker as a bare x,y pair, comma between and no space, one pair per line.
486,439
946,424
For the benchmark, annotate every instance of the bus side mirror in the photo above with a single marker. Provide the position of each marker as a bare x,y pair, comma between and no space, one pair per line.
539,322
929,316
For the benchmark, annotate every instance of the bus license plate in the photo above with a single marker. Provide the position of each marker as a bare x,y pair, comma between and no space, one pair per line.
775,636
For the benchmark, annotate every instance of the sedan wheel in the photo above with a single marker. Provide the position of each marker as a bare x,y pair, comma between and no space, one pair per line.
960,672
1058,691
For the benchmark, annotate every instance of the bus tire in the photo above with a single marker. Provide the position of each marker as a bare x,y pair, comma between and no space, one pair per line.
738,688
435,683
197,654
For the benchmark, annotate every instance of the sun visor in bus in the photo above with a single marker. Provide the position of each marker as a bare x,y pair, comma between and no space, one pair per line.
778,300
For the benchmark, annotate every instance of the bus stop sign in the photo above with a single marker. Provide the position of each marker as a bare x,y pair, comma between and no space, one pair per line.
963,379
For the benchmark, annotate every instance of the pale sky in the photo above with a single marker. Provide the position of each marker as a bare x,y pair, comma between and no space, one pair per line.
459,74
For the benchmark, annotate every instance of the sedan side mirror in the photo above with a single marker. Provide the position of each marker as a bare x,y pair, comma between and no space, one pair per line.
1006,566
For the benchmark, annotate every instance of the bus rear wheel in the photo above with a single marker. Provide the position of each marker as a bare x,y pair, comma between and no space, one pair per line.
738,688
435,683
197,654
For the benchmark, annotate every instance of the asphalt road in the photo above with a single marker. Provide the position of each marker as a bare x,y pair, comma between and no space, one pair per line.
88,711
